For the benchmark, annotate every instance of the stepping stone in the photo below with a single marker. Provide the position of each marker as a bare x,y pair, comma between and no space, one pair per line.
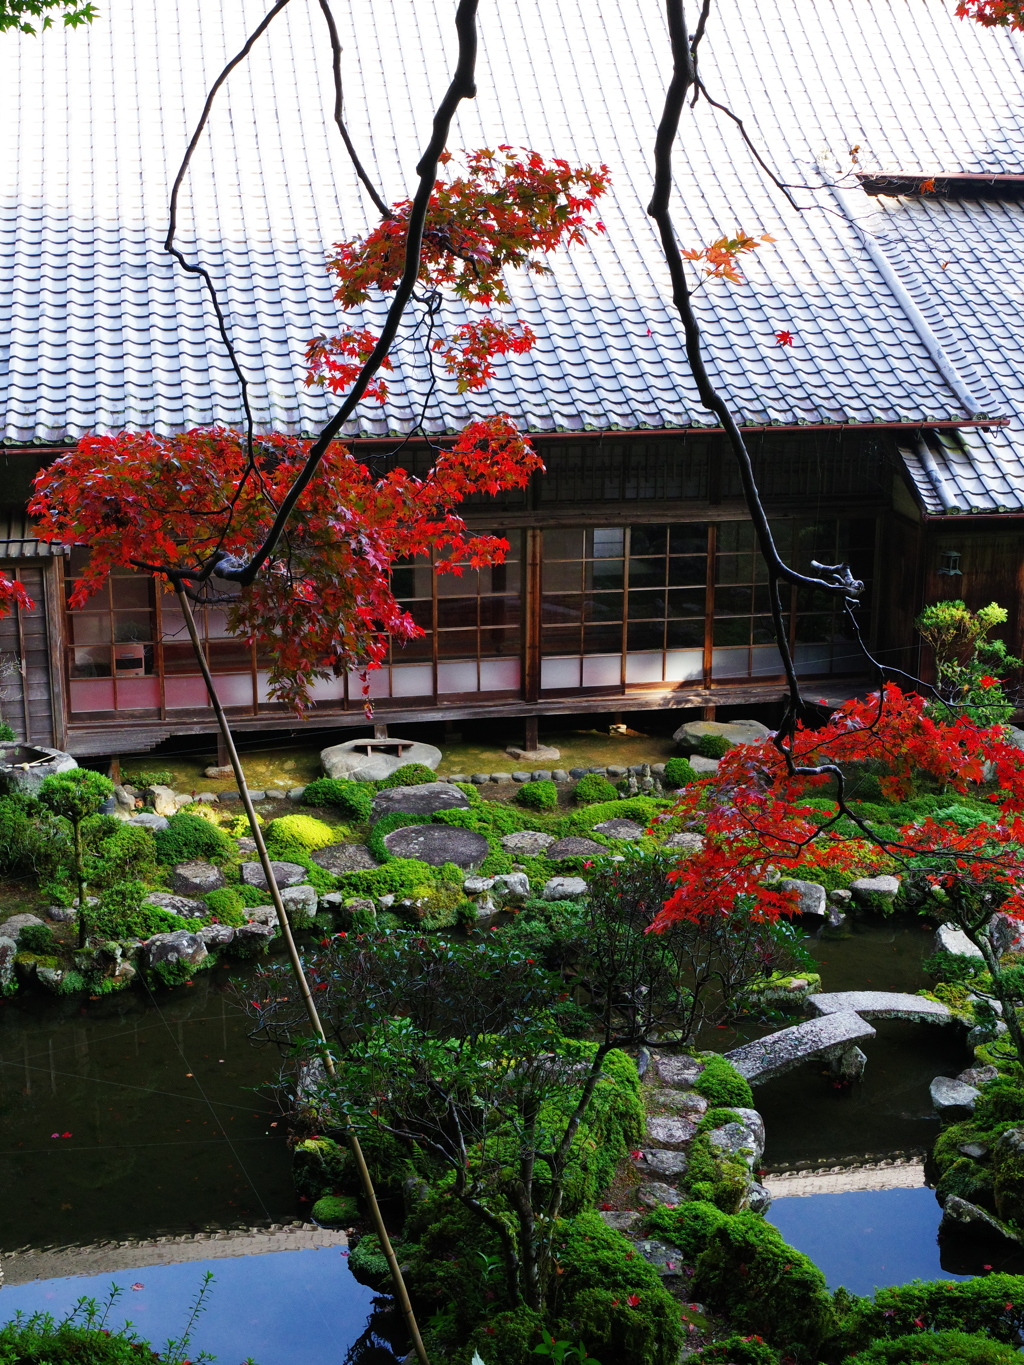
196,878
285,874
830,1037
667,1260
672,1132
655,1193
686,1102
438,844
693,843
882,1005
527,843
680,1071
543,753
622,1220
342,858
574,846
660,1162
564,888
619,828
422,800
177,905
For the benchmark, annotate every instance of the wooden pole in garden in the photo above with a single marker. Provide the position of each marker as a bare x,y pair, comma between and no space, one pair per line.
401,1292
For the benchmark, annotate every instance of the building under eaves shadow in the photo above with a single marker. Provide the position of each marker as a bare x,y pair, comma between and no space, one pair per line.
889,434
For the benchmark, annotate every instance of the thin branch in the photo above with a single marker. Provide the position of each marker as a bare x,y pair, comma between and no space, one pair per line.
360,170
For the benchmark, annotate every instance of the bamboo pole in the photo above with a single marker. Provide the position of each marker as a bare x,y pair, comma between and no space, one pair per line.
401,1292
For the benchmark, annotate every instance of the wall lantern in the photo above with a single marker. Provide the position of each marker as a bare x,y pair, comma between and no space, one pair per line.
949,564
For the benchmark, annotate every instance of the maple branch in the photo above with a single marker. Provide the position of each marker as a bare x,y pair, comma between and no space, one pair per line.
360,170
462,86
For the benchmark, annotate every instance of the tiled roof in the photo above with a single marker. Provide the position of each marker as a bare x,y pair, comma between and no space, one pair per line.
18,537
103,331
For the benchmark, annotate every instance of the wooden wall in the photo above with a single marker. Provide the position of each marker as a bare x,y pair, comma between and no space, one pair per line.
26,680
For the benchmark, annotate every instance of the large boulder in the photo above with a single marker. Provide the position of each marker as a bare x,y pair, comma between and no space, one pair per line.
810,897
299,900
368,760
875,893
689,736
196,878
564,889
285,874
161,799
422,800
438,844
12,928
177,905
574,846
341,858
527,843
950,939
953,1100
169,949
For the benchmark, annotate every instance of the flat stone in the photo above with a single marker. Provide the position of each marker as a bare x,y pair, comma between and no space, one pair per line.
301,899
342,858
978,1075
692,843
619,828
177,905
574,846
952,1099
476,886
966,1217
285,874
882,1005
544,753
680,1072
827,1037
977,1151
167,949
520,777
512,887
622,1220
146,820
196,878
702,765
655,1193
254,936
501,777
368,760
216,935
564,888
527,843
869,891
689,736
219,774
686,1102
161,799
950,939
11,928
669,1131
423,800
438,844
667,1260
660,1162
810,896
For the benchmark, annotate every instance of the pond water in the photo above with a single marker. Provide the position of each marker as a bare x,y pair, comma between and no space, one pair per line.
279,1308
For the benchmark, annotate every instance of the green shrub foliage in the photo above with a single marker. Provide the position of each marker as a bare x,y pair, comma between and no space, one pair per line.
722,1085
541,795
736,1350
938,1348
713,746
81,1340
336,1210
679,773
593,787
123,914
226,904
17,833
352,799
304,830
37,938
408,775
991,1305
190,837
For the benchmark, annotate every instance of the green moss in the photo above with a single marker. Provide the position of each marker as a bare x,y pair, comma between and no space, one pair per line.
304,830
736,1350
968,1180
713,746
990,1305
37,938
123,913
189,837
642,809
408,775
353,800
319,1165
226,905
688,1226
938,1348
542,795
721,1084
335,1210
369,1265
593,787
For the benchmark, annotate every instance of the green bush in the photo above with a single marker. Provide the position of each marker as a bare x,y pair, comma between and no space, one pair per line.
642,809
721,1084
157,777
304,830
127,853
470,791
764,1286
368,1263
399,877
593,787
122,914
227,905
352,799
538,795
938,1348
991,1305
408,775
37,938
336,1210
16,833
679,773
80,1339
737,1351
688,1226
189,837
319,1166
713,746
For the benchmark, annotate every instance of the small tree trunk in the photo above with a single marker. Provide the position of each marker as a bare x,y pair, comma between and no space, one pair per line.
80,878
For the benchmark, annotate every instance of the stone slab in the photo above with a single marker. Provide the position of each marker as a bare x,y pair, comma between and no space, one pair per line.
438,844
369,760
342,858
564,888
619,828
286,874
882,1005
422,800
574,846
527,843
660,1162
670,1130
679,1071
790,1047
544,753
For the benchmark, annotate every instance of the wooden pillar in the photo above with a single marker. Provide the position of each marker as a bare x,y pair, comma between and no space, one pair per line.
380,732
115,770
708,712
530,732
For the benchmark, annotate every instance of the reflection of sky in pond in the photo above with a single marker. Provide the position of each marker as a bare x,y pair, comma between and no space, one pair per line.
280,1308
866,1239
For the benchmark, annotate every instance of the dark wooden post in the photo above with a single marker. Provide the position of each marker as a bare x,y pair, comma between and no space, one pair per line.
530,731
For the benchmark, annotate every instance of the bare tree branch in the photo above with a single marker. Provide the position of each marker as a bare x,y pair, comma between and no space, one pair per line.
360,170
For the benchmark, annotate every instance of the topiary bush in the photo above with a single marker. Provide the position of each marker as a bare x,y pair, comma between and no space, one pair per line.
713,746
541,795
593,787
227,905
737,1351
352,799
189,837
679,773
408,775
642,809
938,1348
127,853
304,830
721,1084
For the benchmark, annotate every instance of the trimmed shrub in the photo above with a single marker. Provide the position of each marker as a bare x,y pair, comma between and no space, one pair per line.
189,837
16,833
471,791
679,773
408,775
538,795
304,830
128,853
713,746
593,787
721,1084
642,809
226,905
336,1210
938,1348
352,799
764,1286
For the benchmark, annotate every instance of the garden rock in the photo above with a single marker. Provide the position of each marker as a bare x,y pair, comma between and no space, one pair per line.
702,766
1006,933
294,794
476,886
342,858
177,905
689,736
181,946
679,1072
196,878
660,1162
978,1075
216,935
520,777
437,844
161,799
619,828
967,1217
254,935
478,779
754,1124
733,1142
977,1151
559,775
300,899
263,914
149,821
757,1199
810,896
123,800
8,952
423,800
564,888
544,753
875,893
245,844
28,777
487,908
512,887
574,846
527,843
540,775
686,1102
622,1220
285,874
950,939
671,1131
654,1193
369,760
692,843
219,774
953,1099
12,927
667,1260
52,978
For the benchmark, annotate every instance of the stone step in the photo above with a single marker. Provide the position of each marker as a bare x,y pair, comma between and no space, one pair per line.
827,1037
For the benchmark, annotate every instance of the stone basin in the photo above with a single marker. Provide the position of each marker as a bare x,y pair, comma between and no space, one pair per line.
368,760
23,767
